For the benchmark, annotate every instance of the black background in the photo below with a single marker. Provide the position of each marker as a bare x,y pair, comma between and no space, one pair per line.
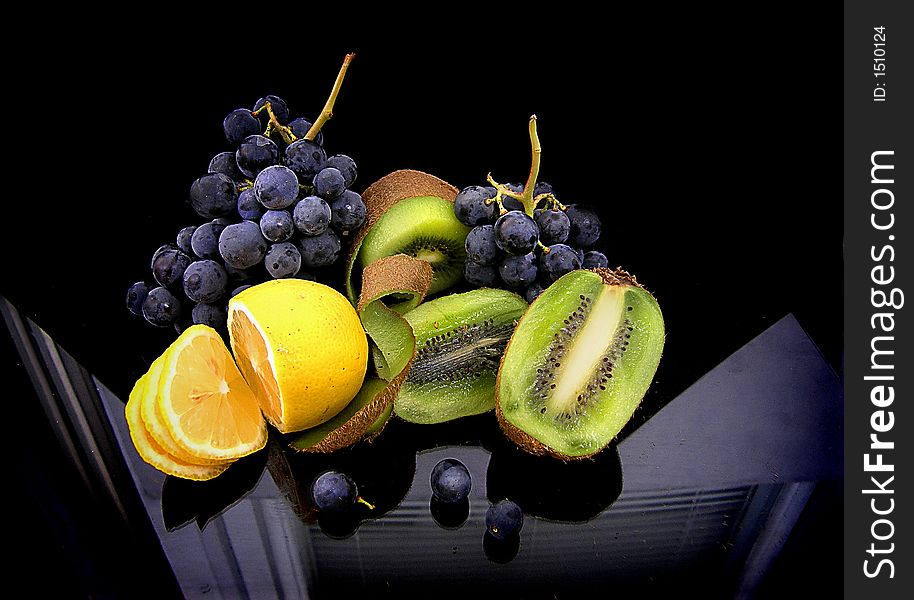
709,144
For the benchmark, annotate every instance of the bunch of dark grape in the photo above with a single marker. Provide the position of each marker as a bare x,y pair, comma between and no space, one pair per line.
523,250
277,205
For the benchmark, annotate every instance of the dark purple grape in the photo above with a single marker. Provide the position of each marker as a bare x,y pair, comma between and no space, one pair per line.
312,215
136,294
168,265
306,158
347,213
346,166
533,291
481,247
183,239
585,227
504,519
300,128
255,154
480,275
560,259
160,307
594,260
242,245
225,163
276,187
472,207
334,492
212,315
205,281
277,225
249,208
510,203
518,271
213,195
277,105
239,124
238,290
540,188
553,224
329,183
320,250
282,260
205,240
516,233
450,481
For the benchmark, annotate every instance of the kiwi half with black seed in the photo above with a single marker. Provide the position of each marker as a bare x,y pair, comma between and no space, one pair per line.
460,339
579,363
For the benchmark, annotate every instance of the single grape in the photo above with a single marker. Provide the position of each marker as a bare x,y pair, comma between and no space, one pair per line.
585,226
277,105
240,124
481,247
300,128
213,195
480,275
347,213
160,307
225,163
594,260
136,294
540,188
205,281
450,481
213,315
282,260
238,290
168,265
533,291
312,215
242,245
516,233
276,187
277,225
517,271
559,260
320,250
329,183
554,225
504,519
255,154
183,239
510,203
334,492
471,208
306,158
249,208
205,239
346,166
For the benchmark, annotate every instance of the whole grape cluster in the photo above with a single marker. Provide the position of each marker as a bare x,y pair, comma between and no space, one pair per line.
507,247
277,205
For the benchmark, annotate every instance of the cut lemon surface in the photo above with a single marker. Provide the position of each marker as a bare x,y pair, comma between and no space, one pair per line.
151,452
302,349
154,420
204,402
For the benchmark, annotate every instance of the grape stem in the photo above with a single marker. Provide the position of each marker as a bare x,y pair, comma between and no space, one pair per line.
526,197
274,124
361,500
327,112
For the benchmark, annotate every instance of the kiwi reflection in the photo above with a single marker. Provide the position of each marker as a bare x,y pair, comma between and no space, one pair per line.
548,488
184,501
383,470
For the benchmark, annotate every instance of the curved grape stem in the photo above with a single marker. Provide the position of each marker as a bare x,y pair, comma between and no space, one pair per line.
361,500
526,197
274,124
327,112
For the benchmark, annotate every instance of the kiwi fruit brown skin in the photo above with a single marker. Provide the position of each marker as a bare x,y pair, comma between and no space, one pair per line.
379,197
526,384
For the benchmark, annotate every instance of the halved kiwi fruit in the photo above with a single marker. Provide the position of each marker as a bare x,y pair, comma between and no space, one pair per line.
460,339
410,212
579,363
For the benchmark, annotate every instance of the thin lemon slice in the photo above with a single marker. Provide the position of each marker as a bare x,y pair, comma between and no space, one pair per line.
205,403
154,454
150,412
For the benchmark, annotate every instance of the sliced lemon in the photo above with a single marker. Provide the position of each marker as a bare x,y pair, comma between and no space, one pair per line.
152,452
302,349
204,402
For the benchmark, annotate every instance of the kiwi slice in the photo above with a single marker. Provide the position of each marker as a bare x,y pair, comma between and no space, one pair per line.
579,363
460,339
423,227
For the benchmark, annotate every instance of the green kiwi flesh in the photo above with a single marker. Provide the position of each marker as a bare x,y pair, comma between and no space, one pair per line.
424,227
460,339
579,363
